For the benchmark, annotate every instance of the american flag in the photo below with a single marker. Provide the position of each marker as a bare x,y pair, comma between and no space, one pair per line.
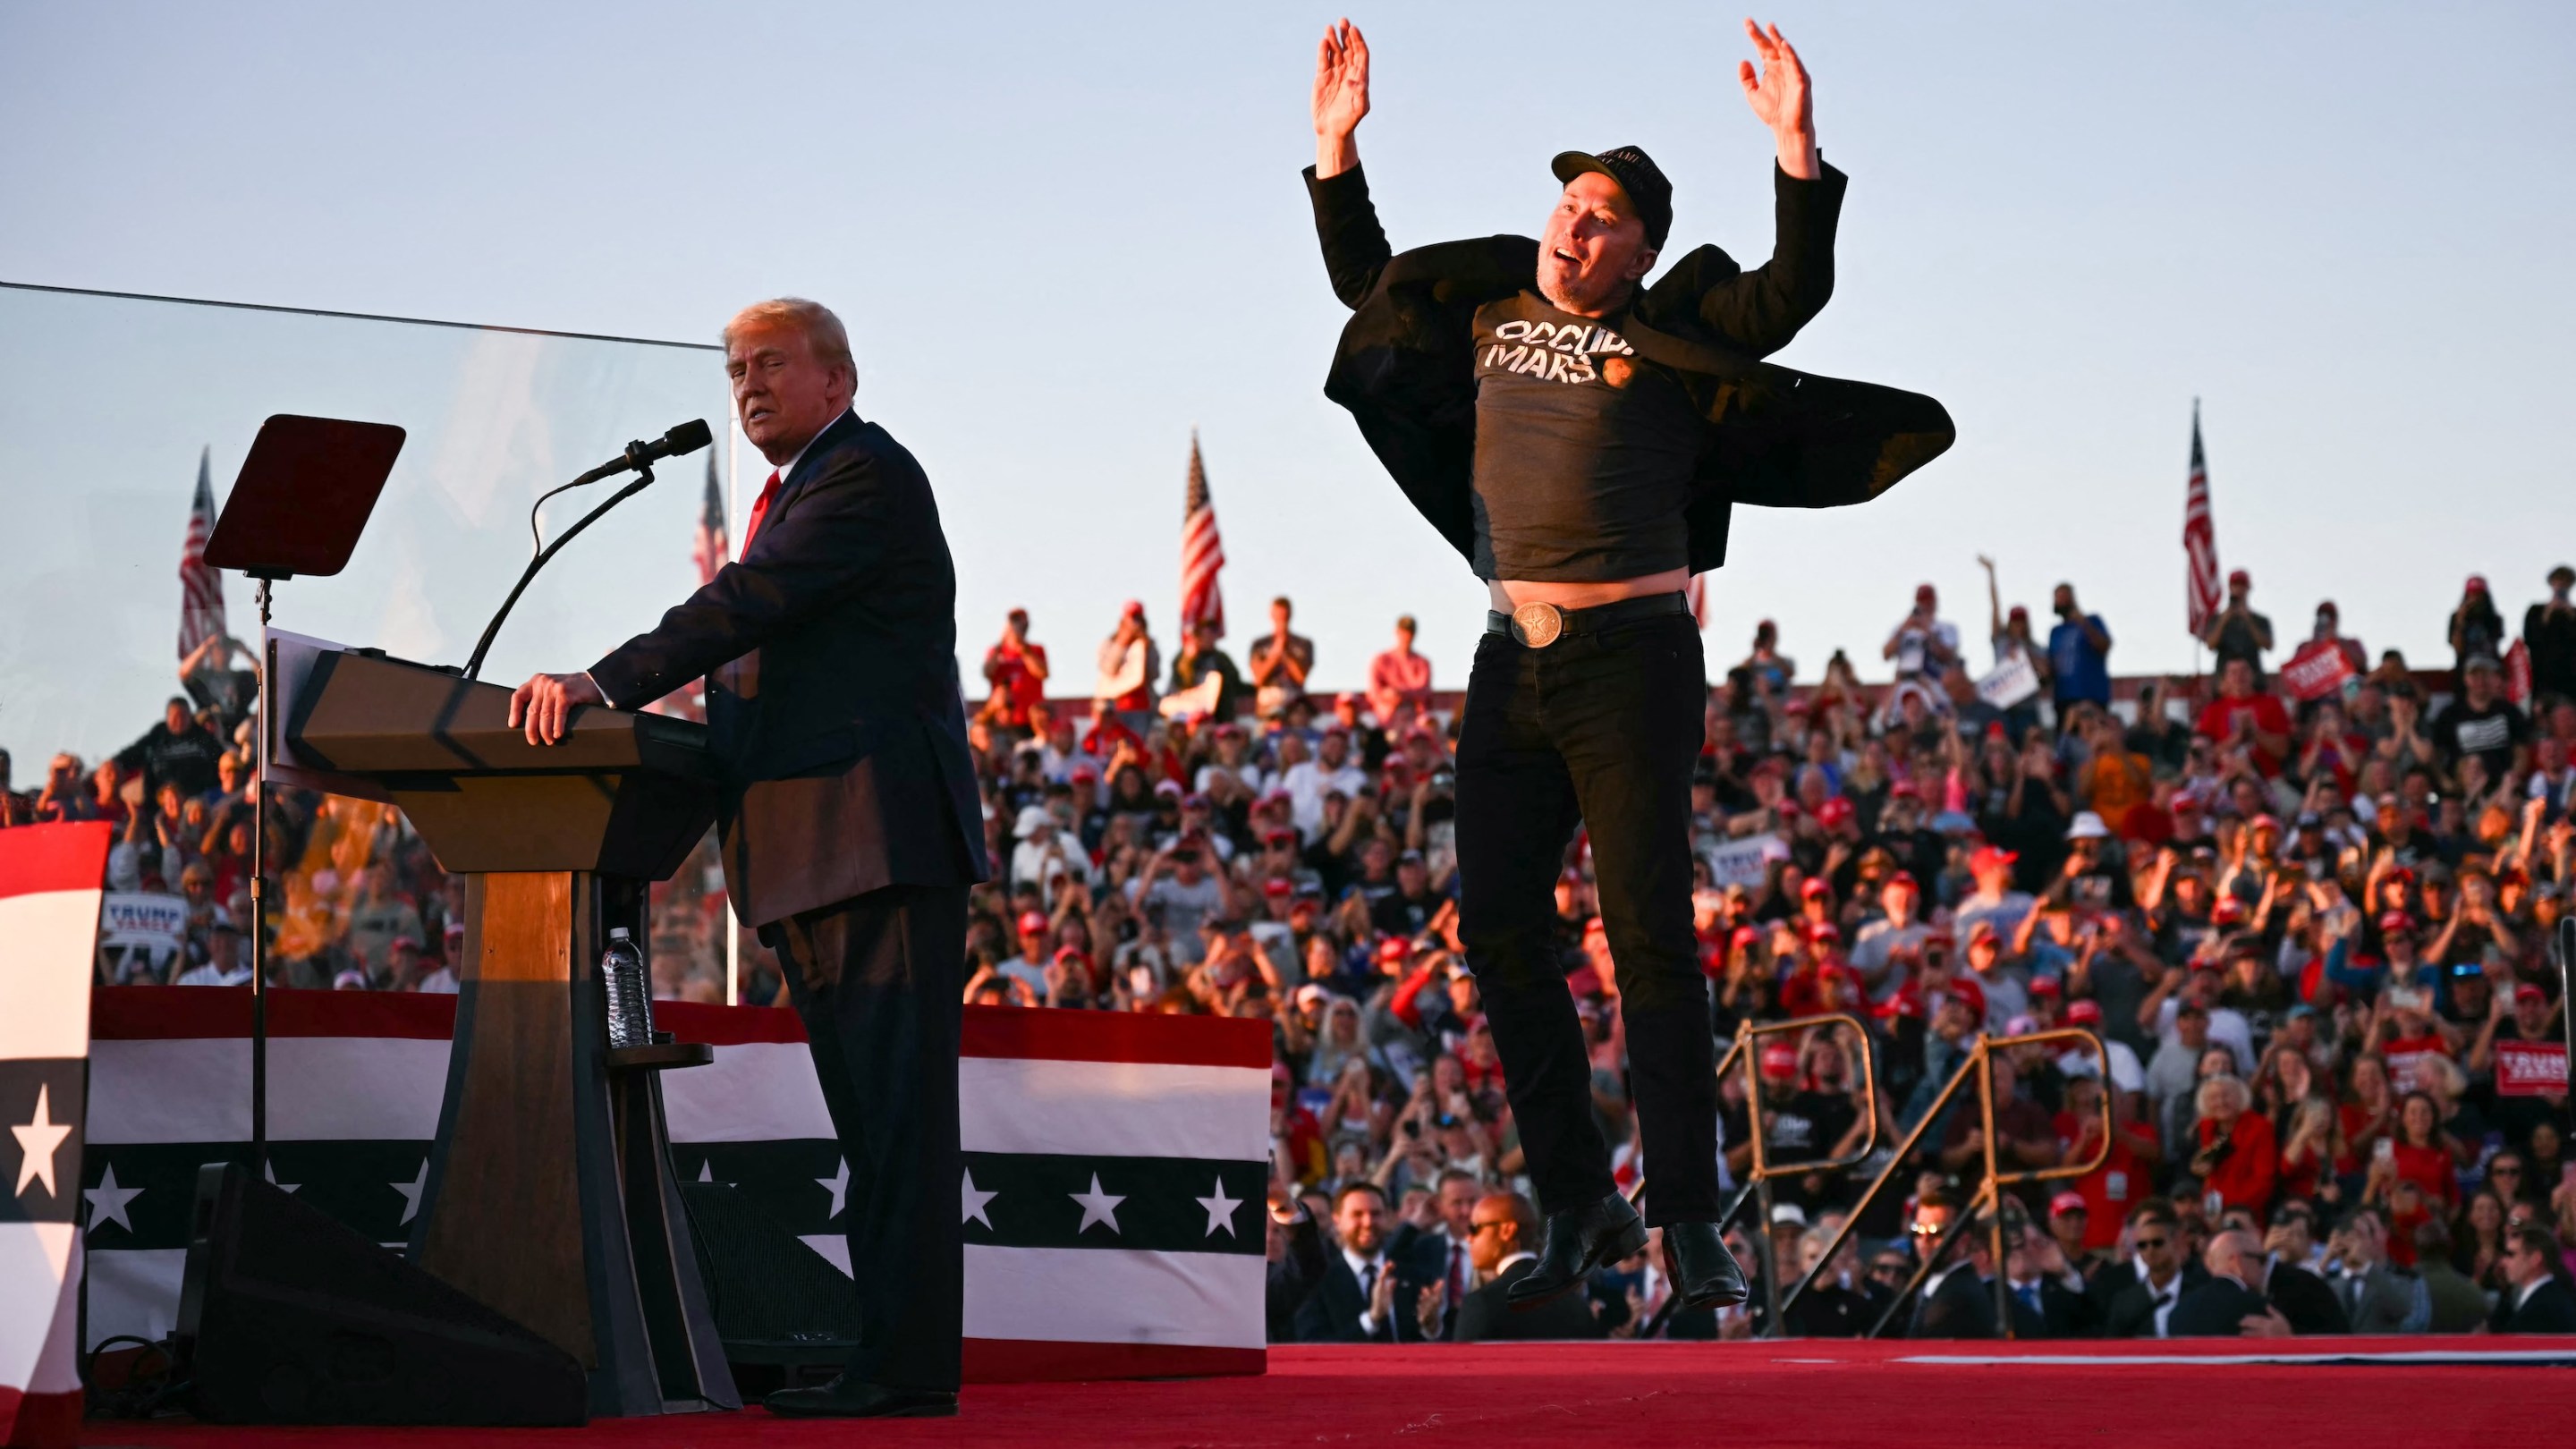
711,546
201,589
2199,537
1202,551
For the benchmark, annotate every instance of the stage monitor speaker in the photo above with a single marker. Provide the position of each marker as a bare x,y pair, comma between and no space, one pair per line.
777,1302
288,1317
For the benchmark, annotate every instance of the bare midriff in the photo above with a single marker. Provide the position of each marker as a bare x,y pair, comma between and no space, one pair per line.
1509,594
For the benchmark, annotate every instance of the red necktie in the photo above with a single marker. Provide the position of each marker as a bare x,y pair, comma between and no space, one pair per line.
760,510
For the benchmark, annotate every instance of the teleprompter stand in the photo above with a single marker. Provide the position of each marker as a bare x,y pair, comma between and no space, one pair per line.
549,1196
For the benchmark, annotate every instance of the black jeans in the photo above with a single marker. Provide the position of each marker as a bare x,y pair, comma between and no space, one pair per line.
877,980
1601,729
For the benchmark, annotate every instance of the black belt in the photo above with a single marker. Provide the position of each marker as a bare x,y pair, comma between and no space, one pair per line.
1536,626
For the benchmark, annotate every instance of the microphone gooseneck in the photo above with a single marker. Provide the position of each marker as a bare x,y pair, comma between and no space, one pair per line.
639,457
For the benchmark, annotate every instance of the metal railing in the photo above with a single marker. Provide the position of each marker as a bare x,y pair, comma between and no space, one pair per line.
1756,1187
1979,1067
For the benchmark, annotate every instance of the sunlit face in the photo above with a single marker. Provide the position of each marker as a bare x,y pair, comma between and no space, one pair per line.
1360,1222
1593,248
783,393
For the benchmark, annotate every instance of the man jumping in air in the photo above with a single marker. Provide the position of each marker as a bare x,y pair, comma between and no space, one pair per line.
1580,437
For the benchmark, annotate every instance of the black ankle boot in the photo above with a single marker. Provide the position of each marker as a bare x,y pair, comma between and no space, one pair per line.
1578,1241
1704,1274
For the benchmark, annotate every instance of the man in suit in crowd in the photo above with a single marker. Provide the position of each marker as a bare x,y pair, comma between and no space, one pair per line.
2538,1300
1373,1276
2241,1297
2136,1299
851,824
1296,1268
1503,1230
1958,1299
2376,1296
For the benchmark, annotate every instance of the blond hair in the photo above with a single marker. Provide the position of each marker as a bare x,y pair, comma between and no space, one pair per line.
822,331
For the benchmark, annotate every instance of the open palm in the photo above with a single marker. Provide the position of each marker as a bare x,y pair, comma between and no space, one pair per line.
1778,93
1341,80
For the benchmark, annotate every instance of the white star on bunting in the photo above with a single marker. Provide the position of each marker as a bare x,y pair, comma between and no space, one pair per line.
706,1169
292,1186
1098,1206
39,1140
412,1190
1220,1210
107,1201
838,1185
971,1200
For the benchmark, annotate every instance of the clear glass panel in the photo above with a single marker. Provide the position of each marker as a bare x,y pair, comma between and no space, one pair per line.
109,408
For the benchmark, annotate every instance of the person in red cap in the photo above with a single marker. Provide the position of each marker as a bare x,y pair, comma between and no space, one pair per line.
2245,718
1995,901
2236,631
1017,670
2476,628
1129,663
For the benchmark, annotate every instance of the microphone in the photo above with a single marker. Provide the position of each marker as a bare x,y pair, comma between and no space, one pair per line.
639,457
688,437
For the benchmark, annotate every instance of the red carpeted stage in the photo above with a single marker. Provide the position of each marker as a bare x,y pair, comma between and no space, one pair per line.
2351,1392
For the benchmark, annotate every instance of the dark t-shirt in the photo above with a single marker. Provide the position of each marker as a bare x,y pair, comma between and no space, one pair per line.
1584,455
2489,733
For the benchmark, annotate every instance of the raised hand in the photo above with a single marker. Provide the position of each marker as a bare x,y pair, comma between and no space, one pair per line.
1341,97
1778,95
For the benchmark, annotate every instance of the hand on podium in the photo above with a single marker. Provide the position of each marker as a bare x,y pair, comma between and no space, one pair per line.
546,700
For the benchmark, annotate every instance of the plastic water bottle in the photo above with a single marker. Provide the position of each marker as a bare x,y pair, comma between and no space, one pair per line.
630,997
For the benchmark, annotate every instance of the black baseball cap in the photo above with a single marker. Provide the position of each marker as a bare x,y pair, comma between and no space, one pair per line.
1637,175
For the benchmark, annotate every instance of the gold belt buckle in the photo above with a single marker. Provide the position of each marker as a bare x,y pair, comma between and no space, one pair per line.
1537,625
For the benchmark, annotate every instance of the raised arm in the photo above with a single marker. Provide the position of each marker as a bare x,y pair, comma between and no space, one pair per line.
1355,247
1762,309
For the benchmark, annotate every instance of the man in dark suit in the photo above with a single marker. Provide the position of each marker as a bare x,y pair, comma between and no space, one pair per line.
2240,1301
1501,1233
851,824
1373,1275
1296,1267
2136,1298
2538,1300
1958,1299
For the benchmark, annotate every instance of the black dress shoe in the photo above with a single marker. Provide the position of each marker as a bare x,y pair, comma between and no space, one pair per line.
1578,1241
849,1398
1704,1274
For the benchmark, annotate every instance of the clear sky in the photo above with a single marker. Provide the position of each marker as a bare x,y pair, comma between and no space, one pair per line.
1064,236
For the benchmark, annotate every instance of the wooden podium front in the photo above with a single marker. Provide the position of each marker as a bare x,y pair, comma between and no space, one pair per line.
550,1195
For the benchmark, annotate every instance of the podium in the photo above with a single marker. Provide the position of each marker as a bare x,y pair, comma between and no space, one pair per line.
549,1196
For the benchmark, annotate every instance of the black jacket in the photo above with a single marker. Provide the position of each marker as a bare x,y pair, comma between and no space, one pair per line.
1293,1279
1484,1315
1961,1306
2123,1306
830,650
2552,1309
2216,1309
1331,1314
1776,437
2305,1300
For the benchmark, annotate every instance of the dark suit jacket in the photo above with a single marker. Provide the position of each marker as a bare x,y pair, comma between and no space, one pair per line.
2305,1300
1963,1306
1293,1279
2552,1309
2216,1309
1776,437
1331,1314
830,650
2126,1309
1484,1314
